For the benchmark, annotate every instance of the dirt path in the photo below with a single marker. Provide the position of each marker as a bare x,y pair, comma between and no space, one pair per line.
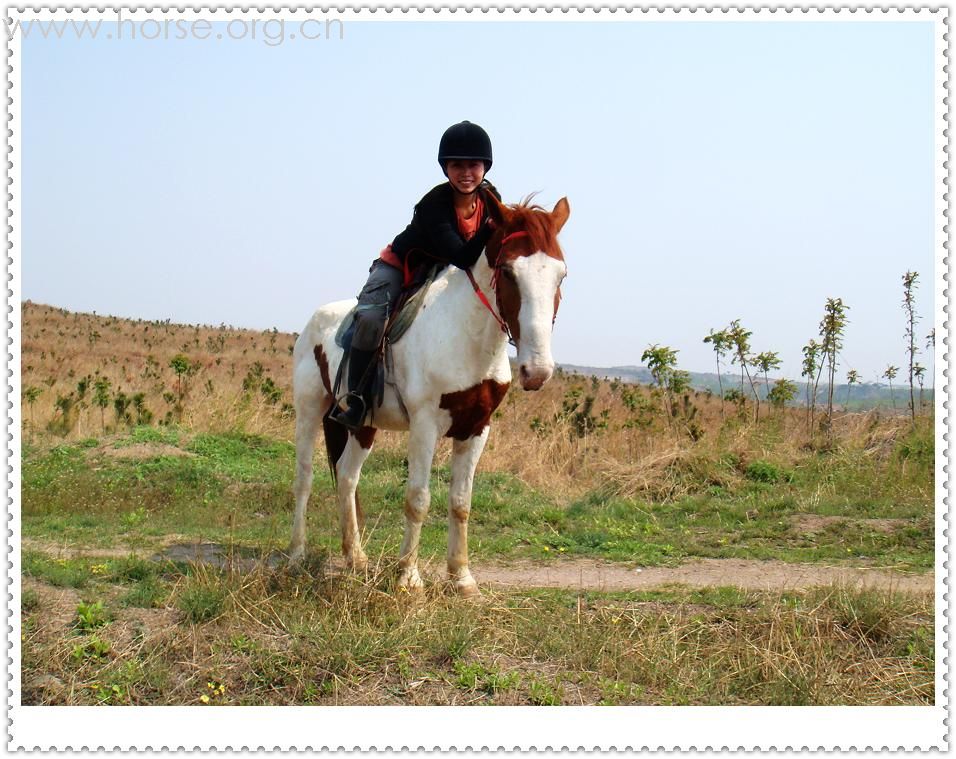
698,573
569,573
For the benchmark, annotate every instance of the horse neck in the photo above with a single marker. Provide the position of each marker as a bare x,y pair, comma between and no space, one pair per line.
479,330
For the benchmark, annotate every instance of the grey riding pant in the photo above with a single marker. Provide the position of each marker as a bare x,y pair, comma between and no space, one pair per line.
375,303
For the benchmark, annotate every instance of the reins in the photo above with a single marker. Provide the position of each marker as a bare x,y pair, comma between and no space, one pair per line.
494,286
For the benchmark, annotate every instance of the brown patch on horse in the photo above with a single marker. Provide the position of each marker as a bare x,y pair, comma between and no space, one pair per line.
472,408
509,303
365,437
323,363
336,436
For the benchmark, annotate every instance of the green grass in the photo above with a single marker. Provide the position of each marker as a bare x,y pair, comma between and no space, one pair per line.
236,489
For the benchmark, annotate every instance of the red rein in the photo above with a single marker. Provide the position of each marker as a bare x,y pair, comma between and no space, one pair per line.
494,285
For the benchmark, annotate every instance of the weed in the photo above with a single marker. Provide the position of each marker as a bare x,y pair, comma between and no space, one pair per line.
541,693
148,593
868,614
29,600
90,615
200,602
764,471
93,648
71,573
132,569
475,677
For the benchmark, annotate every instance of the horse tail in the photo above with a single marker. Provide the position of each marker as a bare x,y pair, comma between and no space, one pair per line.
336,438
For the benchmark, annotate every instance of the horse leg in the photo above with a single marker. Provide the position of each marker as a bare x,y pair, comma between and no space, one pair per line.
422,440
348,471
465,455
307,419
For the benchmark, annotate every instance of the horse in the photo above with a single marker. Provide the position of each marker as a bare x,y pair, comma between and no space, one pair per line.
449,372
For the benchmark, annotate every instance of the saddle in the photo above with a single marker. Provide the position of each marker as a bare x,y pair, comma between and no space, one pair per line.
397,322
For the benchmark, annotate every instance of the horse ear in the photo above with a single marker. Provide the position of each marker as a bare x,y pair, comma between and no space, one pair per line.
560,214
496,209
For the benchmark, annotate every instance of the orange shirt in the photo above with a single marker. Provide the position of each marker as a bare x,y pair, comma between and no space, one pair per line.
469,226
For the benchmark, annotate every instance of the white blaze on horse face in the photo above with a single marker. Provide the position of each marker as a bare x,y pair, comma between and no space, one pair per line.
538,277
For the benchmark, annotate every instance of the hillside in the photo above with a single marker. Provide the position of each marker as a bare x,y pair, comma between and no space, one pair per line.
862,396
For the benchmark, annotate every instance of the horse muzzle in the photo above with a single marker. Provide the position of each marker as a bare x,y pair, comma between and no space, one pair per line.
533,376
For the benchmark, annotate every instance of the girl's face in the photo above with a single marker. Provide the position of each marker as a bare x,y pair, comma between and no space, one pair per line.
465,176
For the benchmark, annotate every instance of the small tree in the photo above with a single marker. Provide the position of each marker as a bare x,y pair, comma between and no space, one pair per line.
765,362
811,355
740,339
184,369
101,398
661,361
721,342
918,371
890,374
831,330
782,392
31,394
121,404
852,378
909,308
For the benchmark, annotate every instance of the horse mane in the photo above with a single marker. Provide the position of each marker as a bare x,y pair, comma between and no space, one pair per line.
536,221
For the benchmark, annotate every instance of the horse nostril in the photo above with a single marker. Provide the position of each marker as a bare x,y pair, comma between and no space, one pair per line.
525,374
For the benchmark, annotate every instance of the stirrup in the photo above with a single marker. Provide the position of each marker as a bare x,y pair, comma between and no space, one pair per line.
345,417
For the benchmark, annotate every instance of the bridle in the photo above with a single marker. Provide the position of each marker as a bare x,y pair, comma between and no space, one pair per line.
494,285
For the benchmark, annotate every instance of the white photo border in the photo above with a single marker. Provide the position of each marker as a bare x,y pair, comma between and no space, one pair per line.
524,728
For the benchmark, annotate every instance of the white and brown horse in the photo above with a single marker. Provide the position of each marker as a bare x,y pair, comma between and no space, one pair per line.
451,369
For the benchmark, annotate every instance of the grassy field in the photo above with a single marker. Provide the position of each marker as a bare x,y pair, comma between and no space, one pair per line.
583,469
129,631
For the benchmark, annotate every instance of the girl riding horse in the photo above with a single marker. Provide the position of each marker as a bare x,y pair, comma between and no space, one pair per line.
451,225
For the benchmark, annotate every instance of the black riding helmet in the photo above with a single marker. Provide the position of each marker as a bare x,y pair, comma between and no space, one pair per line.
464,141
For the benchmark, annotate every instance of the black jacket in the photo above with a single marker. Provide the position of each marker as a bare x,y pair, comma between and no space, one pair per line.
433,231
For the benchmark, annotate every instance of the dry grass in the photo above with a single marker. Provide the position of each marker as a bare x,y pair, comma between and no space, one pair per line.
272,637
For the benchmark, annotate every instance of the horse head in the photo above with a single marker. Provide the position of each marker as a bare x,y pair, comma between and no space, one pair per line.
528,267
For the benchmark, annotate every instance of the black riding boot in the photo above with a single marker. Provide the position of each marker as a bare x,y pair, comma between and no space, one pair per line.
359,396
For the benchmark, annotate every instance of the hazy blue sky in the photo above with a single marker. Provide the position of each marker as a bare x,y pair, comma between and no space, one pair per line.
714,170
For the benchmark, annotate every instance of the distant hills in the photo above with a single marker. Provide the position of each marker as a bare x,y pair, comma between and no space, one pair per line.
865,395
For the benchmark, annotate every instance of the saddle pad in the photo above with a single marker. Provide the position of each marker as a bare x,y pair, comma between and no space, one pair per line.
399,325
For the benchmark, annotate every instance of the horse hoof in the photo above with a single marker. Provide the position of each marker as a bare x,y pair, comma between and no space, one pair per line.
468,590
465,586
357,566
410,582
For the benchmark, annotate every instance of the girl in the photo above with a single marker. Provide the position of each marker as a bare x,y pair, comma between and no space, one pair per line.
450,224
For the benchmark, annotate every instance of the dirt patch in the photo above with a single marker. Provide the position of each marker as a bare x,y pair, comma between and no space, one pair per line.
700,573
139,451
814,523
585,574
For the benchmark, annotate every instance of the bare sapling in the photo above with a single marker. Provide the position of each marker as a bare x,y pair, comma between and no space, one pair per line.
909,308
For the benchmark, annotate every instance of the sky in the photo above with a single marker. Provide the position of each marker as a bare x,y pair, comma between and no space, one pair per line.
715,171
